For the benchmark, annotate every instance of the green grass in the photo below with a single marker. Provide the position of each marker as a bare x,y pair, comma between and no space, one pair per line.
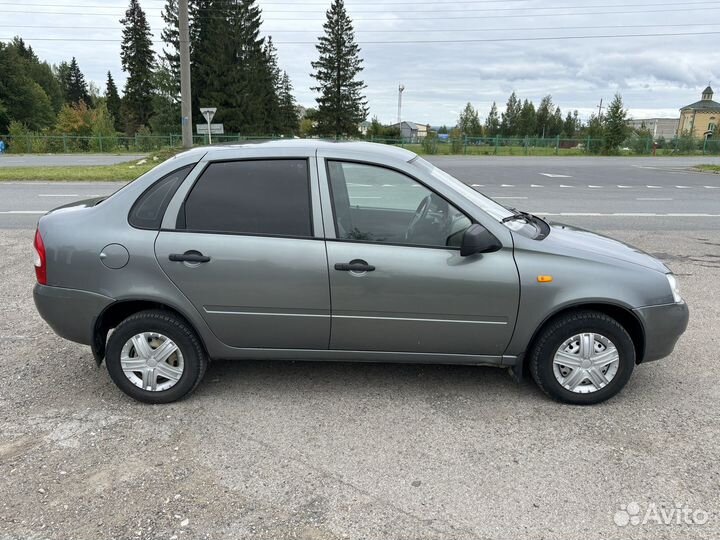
123,172
709,168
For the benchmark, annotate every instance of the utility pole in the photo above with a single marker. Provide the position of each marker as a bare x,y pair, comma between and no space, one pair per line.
185,92
401,89
600,108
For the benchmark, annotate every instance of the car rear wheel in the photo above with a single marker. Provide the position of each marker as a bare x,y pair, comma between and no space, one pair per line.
582,358
155,357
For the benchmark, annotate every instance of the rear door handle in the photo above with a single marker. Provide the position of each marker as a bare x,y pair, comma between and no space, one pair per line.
189,256
354,266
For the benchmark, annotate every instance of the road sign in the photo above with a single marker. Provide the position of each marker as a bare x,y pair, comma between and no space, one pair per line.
208,113
215,129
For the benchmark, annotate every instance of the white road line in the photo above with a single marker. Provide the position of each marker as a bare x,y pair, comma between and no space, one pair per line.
550,175
359,185
653,199
563,185
711,187
683,187
654,187
509,197
624,187
24,212
595,187
507,185
535,185
477,185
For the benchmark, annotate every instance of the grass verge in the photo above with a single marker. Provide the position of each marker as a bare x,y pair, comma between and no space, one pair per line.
124,172
709,168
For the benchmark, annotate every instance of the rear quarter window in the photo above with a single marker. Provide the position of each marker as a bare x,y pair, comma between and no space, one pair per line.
149,209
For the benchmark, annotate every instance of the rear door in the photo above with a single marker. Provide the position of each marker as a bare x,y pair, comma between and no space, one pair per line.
245,252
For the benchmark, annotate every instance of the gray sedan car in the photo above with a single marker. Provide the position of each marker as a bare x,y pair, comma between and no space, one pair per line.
342,251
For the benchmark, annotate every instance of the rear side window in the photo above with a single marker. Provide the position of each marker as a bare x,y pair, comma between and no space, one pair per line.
148,210
252,197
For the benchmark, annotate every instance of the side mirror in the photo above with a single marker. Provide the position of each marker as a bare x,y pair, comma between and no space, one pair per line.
477,239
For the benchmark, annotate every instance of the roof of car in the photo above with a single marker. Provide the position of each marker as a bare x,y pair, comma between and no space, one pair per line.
319,144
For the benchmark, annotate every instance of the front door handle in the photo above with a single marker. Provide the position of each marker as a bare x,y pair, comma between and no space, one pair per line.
354,266
189,256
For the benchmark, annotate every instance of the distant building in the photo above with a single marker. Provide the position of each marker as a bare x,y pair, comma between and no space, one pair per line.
363,127
661,128
411,130
700,119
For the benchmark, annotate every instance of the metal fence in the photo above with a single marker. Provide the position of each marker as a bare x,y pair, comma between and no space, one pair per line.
38,143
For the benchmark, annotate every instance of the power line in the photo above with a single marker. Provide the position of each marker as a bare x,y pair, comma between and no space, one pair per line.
408,19
424,31
438,41
389,7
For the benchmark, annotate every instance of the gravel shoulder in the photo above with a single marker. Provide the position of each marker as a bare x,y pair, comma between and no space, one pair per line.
276,450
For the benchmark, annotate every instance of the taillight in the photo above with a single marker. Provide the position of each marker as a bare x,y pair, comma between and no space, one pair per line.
40,261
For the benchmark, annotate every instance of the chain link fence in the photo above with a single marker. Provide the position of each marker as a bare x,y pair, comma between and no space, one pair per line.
434,145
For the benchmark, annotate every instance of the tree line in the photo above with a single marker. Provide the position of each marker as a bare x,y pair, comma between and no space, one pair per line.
233,68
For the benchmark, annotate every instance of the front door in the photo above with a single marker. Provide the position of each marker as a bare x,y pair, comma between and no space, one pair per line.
245,254
398,282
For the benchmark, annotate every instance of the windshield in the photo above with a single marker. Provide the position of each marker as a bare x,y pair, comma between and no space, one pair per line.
493,209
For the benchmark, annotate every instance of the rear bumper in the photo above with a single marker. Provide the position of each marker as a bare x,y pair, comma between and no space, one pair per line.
71,313
663,327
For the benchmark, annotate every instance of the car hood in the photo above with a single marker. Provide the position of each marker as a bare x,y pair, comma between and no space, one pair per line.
568,239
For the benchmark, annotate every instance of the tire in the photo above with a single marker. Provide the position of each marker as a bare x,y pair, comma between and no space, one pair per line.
558,335
189,355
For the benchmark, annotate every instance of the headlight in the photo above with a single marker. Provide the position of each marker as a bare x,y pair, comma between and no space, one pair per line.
674,288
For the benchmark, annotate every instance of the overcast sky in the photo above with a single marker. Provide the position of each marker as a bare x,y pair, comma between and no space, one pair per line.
655,75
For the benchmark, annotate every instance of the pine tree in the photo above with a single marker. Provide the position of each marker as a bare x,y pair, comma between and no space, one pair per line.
509,123
544,116
73,82
469,122
492,122
527,120
273,88
556,123
289,120
571,125
615,125
171,36
113,101
341,105
138,61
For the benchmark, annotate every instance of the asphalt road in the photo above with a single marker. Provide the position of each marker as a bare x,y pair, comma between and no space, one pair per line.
659,194
59,160
325,451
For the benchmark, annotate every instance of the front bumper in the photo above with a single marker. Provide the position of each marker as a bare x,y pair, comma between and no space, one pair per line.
71,313
663,327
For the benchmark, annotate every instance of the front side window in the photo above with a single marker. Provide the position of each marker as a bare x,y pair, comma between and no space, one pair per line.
266,197
375,204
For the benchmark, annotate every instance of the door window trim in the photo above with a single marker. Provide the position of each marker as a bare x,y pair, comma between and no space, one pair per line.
337,238
180,218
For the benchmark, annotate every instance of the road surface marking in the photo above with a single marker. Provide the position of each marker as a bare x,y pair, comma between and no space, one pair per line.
624,187
653,199
477,185
712,187
535,185
507,185
24,212
655,187
550,175
683,187
509,197
595,187
563,185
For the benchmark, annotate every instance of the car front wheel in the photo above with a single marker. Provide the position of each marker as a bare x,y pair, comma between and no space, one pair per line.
582,358
155,357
